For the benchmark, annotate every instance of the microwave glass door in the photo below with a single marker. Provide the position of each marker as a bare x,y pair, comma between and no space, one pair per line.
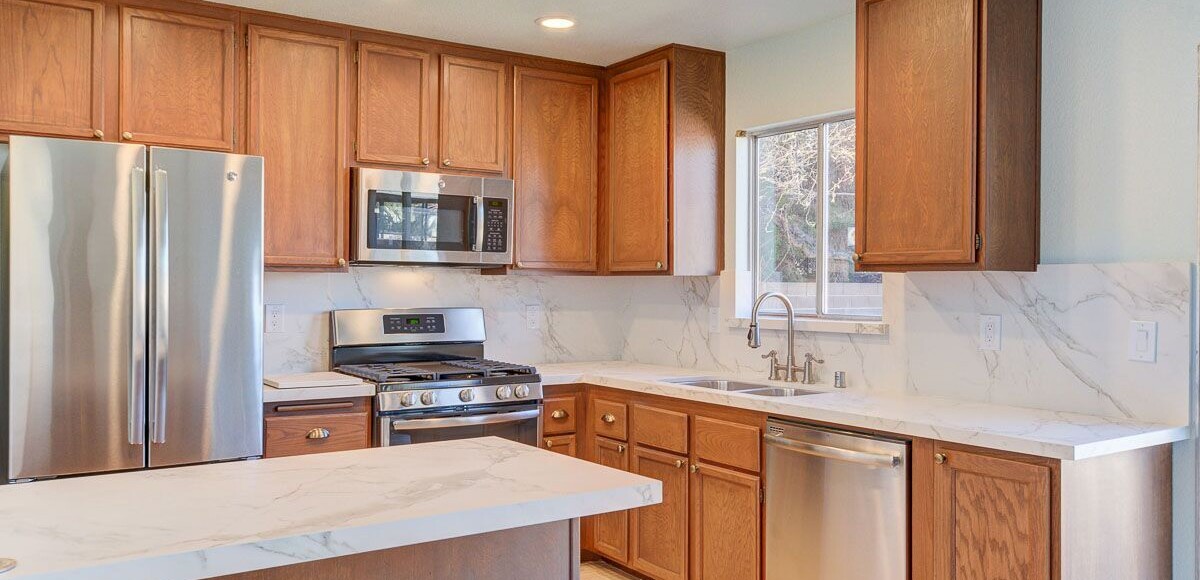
417,221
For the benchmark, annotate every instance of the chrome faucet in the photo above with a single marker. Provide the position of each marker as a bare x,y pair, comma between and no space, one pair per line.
788,370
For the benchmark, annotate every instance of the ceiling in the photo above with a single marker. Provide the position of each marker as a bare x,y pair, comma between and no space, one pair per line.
608,30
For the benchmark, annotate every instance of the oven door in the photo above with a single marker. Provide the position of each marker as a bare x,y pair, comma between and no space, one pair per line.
516,423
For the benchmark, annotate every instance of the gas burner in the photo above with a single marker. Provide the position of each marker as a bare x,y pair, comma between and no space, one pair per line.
388,373
432,371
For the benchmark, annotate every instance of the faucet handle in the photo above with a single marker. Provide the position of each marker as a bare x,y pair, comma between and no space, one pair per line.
808,357
773,354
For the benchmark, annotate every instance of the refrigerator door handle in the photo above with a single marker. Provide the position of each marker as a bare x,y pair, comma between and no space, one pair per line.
159,334
137,329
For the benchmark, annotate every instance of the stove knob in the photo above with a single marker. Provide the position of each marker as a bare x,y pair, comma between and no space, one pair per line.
521,391
428,398
504,392
466,395
408,399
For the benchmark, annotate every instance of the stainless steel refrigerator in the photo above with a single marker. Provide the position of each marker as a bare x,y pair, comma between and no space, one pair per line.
132,301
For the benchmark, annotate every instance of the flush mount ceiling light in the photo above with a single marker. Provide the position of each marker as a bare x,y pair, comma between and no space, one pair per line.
556,22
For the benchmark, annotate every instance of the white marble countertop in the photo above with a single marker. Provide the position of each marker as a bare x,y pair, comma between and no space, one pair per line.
225,518
1051,434
274,395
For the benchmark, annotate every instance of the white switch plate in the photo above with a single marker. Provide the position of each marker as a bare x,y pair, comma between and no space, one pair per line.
714,319
274,318
1143,341
989,332
533,316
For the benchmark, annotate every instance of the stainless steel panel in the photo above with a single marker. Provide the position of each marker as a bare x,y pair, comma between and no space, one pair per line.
836,505
365,327
389,401
208,275
75,293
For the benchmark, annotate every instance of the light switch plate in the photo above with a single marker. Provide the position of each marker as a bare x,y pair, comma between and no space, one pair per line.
989,332
1143,341
714,319
533,316
274,318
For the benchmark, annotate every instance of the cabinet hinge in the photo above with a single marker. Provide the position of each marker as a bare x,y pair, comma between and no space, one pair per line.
762,497
354,144
978,242
246,41
235,135
356,56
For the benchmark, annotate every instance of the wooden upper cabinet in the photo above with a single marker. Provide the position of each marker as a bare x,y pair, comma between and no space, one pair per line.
725,518
947,146
554,166
178,79
637,170
51,63
658,534
296,121
394,121
472,125
991,517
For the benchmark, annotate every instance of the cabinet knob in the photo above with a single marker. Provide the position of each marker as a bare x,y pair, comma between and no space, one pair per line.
695,468
342,262
620,449
98,133
446,162
678,463
318,433
658,265
856,257
127,135
939,458
558,414
549,443
425,161
608,418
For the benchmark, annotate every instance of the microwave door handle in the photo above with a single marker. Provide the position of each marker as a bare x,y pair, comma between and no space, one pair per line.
479,226
158,334
444,422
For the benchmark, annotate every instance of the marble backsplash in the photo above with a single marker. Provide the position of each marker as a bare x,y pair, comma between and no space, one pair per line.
1064,347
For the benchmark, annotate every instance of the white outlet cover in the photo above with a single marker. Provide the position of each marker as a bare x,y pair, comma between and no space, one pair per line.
533,316
1143,341
989,331
274,318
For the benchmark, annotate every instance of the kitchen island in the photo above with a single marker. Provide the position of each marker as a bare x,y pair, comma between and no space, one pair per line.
457,504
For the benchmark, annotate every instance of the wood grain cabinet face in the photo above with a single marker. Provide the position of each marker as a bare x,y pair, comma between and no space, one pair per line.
726,511
610,531
393,105
178,79
637,170
51,64
564,444
554,166
296,122
304,434
991,518
658,534
472,125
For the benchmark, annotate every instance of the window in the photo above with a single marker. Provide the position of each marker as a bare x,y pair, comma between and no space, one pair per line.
802,219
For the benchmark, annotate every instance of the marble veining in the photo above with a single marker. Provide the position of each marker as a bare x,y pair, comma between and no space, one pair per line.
225,518
1054,434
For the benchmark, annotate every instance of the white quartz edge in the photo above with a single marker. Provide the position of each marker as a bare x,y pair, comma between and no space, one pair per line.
217,519
1057,435
274,395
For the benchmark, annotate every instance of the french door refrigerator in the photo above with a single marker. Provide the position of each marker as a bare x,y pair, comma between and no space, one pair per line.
132,300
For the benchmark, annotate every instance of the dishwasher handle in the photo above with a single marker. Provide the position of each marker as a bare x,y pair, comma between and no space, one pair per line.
861,457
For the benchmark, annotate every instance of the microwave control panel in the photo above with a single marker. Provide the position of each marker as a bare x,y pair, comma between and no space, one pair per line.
495,224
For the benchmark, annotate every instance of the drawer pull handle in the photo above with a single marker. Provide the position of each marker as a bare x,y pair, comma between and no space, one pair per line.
608,418
318,433
313,407
558,414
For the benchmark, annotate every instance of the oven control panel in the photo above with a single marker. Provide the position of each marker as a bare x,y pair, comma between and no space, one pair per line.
414,324
495,224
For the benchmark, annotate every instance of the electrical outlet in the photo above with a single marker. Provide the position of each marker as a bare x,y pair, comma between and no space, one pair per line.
533,316
989,332
274,318
714,319
1143,341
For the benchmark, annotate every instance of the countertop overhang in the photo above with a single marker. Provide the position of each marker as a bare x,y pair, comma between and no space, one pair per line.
210,520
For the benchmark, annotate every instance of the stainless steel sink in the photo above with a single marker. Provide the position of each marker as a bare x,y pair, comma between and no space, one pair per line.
719,384
779,392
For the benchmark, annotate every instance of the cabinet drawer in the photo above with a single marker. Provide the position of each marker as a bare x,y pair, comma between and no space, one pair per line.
609,419
661,428
726,442
564,444
304,434
558,417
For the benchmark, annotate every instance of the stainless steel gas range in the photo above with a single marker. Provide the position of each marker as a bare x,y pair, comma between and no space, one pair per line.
432,380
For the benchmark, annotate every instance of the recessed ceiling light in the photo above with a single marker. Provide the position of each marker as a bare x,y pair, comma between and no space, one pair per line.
556,22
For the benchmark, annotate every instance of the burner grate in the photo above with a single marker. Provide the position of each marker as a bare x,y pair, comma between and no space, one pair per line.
388,373
493,368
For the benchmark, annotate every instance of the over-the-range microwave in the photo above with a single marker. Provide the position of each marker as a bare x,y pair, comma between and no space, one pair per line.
405,217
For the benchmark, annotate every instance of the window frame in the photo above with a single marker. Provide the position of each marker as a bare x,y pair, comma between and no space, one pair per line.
821,123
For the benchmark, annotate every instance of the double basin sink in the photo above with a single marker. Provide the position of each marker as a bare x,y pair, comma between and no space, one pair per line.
742,387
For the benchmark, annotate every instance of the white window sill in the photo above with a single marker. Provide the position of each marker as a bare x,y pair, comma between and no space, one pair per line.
803,324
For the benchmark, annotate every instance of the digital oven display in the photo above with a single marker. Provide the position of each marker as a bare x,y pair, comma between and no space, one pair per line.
423,324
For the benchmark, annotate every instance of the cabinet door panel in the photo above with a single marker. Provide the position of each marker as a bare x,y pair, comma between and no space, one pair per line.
564,444
610,531
659,533
51,63
296,122
554,166
472,128
725,524
991,518
637,170
393,105
916,154
178,79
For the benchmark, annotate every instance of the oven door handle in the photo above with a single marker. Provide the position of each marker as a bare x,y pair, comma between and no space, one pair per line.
443,422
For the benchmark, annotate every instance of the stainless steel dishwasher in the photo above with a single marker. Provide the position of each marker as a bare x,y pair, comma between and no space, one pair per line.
836,504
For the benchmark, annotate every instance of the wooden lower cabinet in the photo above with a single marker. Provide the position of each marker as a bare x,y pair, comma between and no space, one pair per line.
564,444
726,509
301,428
610,532
658,534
